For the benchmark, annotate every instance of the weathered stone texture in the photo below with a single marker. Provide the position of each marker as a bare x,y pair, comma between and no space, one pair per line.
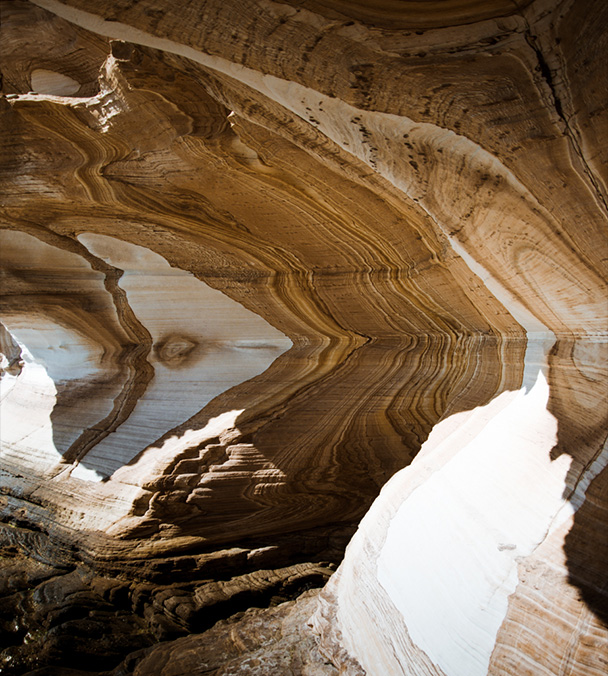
261,259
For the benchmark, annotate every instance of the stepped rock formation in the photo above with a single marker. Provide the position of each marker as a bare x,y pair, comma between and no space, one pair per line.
273,270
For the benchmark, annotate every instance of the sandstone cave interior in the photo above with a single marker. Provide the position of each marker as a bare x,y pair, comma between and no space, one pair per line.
303,338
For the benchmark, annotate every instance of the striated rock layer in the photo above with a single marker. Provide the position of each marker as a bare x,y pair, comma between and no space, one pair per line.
263,259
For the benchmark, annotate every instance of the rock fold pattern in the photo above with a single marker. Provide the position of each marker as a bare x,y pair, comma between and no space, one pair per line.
265,263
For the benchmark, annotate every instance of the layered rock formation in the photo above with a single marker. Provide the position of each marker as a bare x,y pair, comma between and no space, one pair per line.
258,258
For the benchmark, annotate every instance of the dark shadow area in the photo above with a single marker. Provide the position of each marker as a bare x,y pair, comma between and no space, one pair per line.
579,400
586,548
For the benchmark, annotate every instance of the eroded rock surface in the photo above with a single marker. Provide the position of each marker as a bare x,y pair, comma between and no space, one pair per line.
57,618
259,257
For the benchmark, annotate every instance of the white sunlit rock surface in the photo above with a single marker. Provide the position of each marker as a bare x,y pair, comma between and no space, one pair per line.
447,557
203,343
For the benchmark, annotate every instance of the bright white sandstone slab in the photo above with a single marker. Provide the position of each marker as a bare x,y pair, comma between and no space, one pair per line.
204,343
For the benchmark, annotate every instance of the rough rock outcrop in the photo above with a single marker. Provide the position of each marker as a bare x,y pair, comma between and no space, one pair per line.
258,258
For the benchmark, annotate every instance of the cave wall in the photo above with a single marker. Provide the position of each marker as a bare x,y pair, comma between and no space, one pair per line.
264,259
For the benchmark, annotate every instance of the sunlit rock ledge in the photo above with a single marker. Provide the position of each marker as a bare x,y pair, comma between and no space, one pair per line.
276,272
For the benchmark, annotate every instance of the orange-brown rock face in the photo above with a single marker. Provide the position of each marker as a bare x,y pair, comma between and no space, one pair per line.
259,258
